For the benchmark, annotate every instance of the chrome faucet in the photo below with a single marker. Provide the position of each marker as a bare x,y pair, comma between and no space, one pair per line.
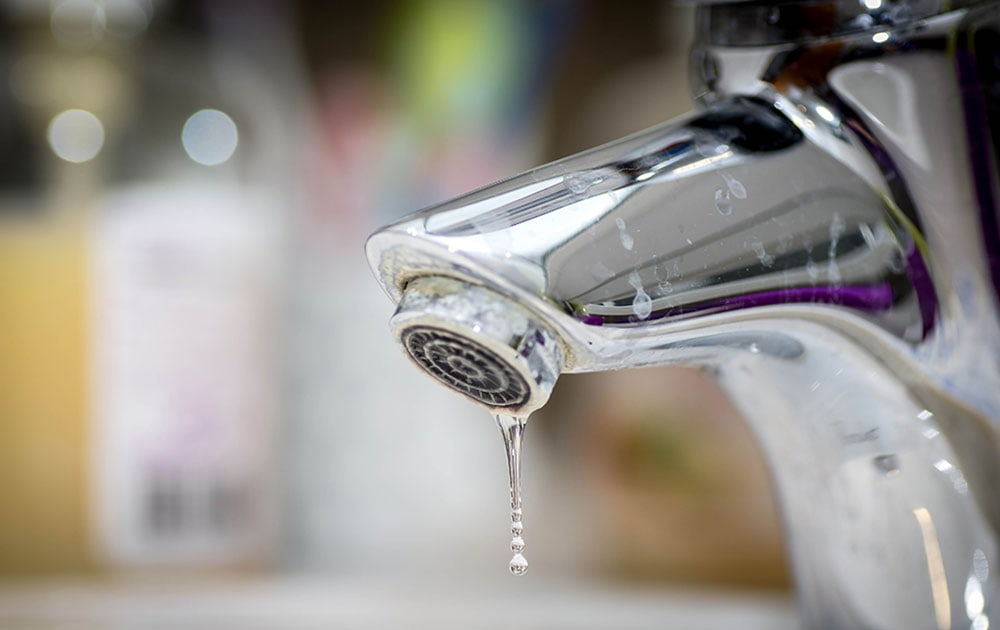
822,237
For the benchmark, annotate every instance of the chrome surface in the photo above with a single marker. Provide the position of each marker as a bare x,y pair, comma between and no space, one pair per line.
478,343
822,236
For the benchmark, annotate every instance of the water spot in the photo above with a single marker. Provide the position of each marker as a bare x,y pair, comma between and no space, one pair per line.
837,228
722,202
888,465
664,286
627,241
601,271
813,270
580,183
642,304
736,187
765,259
833,271
895,263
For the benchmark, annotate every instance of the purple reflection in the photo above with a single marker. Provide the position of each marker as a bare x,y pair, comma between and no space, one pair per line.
868,298
920,276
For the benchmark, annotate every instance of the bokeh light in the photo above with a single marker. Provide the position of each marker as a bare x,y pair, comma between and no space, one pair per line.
76,135
210,137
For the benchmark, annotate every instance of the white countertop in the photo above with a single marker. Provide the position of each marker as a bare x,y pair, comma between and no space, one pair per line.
294,603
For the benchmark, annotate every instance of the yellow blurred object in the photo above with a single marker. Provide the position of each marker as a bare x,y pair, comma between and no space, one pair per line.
42,398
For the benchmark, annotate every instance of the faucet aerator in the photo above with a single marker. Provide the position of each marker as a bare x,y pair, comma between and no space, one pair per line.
479,343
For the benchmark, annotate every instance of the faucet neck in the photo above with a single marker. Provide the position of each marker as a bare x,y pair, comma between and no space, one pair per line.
766,23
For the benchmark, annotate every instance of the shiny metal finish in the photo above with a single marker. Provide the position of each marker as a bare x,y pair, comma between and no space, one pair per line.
822,236
478,343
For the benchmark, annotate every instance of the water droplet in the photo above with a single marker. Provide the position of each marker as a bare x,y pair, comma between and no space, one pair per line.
833,271
895,263
580,183
765,259
837,227
642,304
601,271
518,564
888,465
516,528
627,241
517,544
722,202
813,271
736,187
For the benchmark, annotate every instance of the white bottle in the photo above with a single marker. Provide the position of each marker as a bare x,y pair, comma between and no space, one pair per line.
187,256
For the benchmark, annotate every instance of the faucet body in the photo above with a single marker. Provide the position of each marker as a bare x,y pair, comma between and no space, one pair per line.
821,235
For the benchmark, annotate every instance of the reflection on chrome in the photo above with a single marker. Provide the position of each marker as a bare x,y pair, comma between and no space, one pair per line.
210,137
974,600
980,565
823,236
954,475
935,568
76,135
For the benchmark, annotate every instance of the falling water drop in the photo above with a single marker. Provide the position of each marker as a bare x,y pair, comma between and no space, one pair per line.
512,429
518,564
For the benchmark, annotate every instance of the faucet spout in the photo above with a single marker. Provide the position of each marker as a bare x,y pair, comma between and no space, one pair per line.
821,236
658,231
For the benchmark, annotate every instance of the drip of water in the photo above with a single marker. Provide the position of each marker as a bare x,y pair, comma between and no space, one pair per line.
512,429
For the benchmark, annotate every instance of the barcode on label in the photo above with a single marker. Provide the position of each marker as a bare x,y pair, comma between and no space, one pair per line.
175,507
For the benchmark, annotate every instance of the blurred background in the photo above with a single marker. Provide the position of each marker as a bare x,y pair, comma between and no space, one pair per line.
200,404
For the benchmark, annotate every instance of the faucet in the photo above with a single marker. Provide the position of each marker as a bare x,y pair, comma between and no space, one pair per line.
820,236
